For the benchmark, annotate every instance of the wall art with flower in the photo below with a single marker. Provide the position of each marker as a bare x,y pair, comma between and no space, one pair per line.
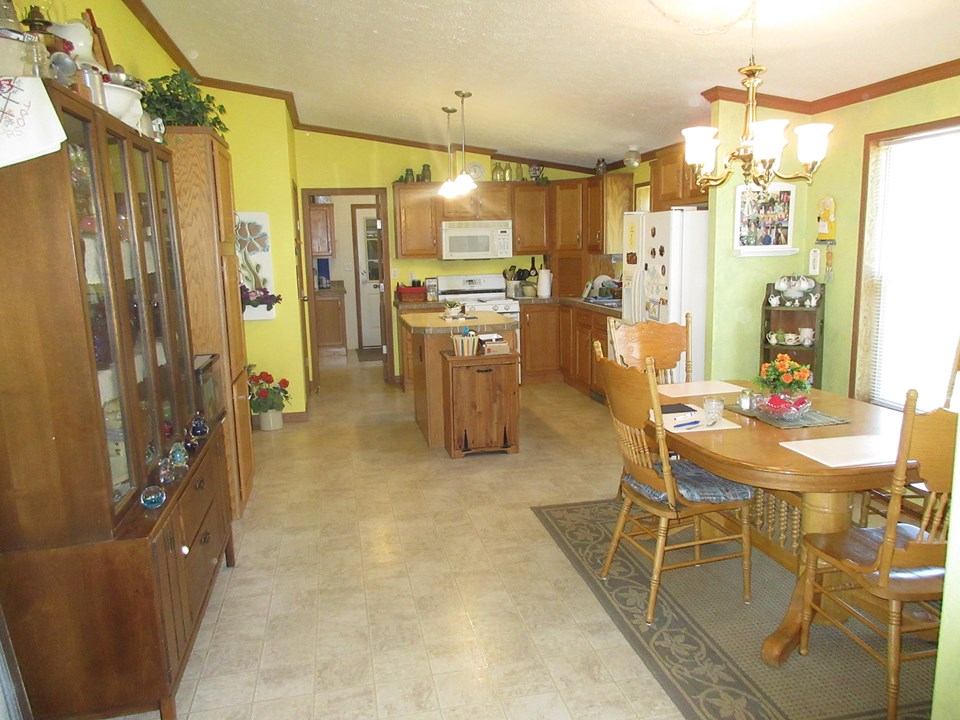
257,290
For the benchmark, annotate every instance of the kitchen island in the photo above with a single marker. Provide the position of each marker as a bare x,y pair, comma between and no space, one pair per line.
431,334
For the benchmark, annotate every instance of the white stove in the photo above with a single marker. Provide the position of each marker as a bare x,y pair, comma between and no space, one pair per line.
479,293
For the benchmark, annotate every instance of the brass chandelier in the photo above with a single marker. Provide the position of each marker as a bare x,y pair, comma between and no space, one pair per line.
761,144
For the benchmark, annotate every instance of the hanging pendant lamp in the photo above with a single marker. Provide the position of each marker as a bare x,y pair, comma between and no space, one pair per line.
449,188
464,182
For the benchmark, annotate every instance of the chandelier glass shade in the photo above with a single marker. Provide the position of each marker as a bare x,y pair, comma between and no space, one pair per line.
761,144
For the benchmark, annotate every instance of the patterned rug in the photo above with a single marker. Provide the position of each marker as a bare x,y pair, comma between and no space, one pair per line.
704,646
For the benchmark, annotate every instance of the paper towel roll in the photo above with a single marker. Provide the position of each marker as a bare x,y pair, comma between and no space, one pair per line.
544,283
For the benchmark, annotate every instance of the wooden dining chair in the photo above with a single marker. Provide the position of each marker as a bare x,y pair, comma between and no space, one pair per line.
664,342
669,495
876,500
897,564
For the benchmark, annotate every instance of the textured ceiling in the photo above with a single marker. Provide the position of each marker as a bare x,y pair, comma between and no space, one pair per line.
565,81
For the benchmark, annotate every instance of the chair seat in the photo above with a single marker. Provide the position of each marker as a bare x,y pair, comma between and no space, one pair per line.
695,485
859,546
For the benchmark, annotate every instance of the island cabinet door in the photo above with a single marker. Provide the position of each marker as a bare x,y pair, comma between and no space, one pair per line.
481,404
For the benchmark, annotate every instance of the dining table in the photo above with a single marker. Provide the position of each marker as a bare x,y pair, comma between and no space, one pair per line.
798,494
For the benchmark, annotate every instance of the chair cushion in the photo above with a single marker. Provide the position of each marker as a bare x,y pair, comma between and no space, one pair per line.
695,485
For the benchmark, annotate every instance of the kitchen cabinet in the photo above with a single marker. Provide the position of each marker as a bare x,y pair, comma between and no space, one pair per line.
790,320
95,588
568,214
566,342
490,201
672,182
330,327
417,217
593,213
540,342
617,199
406,343
582,350
204,194
321,230
530,203
598,334
481,404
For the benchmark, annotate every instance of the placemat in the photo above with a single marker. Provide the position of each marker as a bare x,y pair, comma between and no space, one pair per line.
811,419
847,451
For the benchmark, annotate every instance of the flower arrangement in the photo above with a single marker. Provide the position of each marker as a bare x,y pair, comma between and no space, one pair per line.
265,394
258,297
784,376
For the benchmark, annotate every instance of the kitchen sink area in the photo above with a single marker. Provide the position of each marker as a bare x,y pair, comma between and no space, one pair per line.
609,302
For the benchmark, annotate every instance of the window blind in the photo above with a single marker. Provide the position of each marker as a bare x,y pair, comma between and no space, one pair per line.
910,291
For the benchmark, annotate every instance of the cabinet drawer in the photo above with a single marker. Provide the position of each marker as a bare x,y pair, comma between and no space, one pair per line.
198,495
201,557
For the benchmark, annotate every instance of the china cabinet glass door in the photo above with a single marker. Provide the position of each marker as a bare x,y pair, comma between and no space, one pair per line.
172,280
135,294
102,314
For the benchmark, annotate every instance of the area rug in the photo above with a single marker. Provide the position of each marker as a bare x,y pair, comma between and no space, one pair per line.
704,646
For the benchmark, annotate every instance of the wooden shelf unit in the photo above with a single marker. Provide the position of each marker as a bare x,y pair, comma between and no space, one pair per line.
790,319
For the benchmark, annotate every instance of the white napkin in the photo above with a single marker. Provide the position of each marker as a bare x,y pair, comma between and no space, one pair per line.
29,126
671,420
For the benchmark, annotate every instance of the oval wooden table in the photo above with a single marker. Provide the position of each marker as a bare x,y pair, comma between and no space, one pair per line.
753,456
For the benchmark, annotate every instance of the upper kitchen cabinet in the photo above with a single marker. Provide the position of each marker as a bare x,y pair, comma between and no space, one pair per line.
417,210
204,194
568,214
98,591
490,201
321,230
530,219
617,198
672,182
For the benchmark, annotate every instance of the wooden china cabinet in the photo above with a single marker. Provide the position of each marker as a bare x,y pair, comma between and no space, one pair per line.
102,596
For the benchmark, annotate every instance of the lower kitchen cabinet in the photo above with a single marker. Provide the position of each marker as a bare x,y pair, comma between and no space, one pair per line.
578,329
481,403
540,343
330,324
566,342
406,346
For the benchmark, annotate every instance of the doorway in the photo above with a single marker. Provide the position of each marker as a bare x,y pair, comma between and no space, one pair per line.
345,265
367,237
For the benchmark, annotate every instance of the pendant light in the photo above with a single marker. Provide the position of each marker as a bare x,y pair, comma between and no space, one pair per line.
449,187
464,182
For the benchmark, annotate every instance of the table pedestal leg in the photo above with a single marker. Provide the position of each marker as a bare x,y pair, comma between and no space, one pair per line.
822,513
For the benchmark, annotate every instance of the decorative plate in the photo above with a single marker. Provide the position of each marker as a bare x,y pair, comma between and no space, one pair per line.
475,170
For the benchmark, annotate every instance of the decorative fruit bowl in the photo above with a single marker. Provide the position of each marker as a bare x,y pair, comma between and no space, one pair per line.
783,407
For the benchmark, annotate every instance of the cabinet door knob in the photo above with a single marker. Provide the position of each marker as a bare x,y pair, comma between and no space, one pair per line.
205,539
201,483
185,550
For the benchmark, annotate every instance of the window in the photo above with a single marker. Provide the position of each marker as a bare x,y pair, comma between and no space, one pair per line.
910,276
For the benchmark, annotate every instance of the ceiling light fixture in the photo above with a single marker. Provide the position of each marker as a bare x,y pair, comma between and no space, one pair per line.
631,158
449,188
464,182
761,141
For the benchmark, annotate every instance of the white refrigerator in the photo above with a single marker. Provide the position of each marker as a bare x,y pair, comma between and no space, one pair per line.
665,272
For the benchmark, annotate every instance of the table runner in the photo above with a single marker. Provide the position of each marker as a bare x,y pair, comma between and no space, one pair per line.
811,419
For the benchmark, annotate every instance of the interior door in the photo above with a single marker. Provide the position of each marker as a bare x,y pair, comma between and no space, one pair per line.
308,381
368,234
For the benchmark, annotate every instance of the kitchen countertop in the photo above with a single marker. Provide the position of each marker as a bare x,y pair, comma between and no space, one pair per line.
429,323
336,288
572,302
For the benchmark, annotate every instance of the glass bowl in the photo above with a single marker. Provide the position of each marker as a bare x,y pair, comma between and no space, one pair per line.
783,407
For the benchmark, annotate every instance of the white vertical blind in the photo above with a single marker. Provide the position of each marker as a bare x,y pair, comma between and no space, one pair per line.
910,293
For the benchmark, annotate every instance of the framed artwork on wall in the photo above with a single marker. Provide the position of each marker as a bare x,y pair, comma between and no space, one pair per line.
763,224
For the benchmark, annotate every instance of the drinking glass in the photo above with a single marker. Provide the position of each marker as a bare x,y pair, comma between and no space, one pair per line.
712,409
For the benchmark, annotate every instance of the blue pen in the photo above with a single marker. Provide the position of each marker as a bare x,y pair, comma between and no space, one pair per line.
687,424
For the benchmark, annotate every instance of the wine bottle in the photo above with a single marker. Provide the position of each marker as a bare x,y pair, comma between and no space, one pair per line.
533,267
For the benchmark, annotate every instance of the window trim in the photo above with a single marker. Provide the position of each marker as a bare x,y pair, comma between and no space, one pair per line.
870,142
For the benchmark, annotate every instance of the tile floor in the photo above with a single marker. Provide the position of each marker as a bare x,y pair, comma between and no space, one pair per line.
377,578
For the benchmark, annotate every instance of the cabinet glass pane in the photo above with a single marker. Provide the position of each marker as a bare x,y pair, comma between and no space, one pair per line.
166,362
181,363
99,302
133,293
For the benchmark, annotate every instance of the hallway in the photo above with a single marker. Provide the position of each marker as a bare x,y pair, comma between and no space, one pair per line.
377,578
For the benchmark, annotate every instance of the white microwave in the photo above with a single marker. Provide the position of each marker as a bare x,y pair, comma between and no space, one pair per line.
476,239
